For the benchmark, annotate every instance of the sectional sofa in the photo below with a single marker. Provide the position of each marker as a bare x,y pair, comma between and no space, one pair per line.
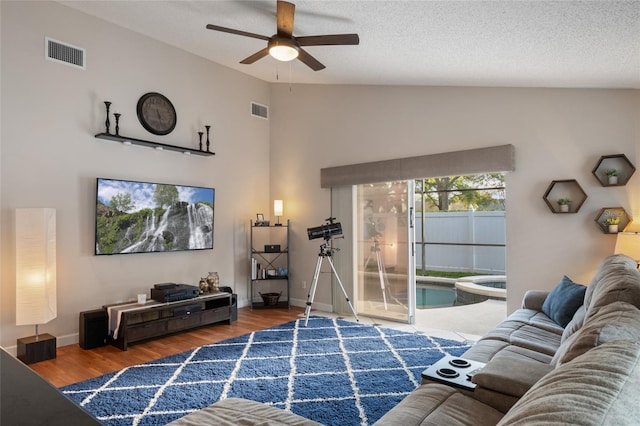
569,356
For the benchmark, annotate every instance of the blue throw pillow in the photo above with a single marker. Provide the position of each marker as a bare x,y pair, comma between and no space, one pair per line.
563,301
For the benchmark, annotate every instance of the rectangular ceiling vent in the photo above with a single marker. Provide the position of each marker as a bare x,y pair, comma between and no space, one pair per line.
64,53
260,111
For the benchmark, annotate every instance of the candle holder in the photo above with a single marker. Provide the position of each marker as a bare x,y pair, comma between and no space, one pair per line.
107,123
117,116
207,127
200,138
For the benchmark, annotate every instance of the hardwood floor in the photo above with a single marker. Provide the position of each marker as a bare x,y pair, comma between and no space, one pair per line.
74,364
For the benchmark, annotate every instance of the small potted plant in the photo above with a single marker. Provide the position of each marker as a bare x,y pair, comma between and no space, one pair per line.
612,223
613,176
564,204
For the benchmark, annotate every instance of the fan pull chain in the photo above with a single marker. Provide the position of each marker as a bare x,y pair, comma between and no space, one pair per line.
290,77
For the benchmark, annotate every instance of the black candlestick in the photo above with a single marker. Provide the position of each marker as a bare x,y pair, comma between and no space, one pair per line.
107,123
117,116
200,137
207,127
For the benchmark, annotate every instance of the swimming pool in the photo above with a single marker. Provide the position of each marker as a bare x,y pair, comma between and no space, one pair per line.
436,292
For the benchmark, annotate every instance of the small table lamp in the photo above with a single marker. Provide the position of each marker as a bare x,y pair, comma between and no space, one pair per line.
278,208
629,243
36,280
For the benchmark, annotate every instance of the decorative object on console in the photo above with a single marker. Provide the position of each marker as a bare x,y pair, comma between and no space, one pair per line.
36,280
207,128
117,116
200,133
156,113
278,209
159,217
107,123
213,282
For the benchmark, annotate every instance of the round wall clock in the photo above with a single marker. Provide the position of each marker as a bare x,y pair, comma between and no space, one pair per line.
156,113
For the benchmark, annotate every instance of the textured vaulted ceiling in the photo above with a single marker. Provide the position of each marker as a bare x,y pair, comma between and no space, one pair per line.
452,43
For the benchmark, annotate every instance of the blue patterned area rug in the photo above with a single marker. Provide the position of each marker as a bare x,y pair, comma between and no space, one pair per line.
332,371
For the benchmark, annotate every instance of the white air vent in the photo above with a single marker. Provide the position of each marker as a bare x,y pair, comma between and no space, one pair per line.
64,53
260,111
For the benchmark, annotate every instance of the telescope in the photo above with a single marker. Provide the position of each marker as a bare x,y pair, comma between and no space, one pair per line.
325,231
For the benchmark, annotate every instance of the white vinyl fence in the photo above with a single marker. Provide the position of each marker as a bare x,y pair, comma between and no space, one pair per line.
462,241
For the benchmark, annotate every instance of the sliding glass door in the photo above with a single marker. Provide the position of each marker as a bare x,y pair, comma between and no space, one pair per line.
384,250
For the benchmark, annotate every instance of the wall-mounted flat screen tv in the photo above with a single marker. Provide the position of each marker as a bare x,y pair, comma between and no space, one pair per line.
143,217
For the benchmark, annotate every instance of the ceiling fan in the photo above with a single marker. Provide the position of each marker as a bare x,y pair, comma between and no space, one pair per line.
284,46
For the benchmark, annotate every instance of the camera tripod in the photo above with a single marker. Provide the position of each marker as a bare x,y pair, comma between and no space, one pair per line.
325,253
382,272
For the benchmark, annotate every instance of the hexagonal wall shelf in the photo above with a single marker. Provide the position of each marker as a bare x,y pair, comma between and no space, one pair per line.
567,189
618,162
613,212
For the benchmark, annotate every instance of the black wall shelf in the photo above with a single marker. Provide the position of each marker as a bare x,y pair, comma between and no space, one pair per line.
161,146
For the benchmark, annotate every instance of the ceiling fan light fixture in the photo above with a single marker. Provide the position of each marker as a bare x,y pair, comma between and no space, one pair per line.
283,50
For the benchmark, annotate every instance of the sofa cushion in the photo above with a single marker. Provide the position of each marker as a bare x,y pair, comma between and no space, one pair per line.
510,376
238,411
616,321
599,387
575,324
616,279
487,349
537,319
563,301
436,404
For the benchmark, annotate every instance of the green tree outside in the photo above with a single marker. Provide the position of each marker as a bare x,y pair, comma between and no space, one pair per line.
482,192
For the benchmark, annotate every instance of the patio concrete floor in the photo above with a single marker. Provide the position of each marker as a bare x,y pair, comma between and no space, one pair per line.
461,323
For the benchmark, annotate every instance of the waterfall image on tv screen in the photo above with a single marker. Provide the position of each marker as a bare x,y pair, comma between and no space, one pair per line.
142,217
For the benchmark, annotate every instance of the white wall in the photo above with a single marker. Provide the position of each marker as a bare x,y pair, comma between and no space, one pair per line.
50,158
557,134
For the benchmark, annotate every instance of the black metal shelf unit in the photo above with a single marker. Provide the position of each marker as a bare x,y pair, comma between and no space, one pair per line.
269,284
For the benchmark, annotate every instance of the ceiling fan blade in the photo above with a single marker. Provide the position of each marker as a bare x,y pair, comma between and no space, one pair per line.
258,55
286,12
326,40
309,60
237,32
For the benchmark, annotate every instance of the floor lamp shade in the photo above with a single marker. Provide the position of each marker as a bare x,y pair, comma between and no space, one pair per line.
629,243
35,266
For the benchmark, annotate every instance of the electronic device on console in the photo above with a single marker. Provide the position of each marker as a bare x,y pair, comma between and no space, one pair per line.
170,292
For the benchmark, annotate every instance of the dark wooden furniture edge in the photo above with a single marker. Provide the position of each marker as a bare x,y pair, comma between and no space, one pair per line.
124,338
26,398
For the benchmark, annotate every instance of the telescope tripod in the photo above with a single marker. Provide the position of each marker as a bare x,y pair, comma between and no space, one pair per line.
325,253
382,272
